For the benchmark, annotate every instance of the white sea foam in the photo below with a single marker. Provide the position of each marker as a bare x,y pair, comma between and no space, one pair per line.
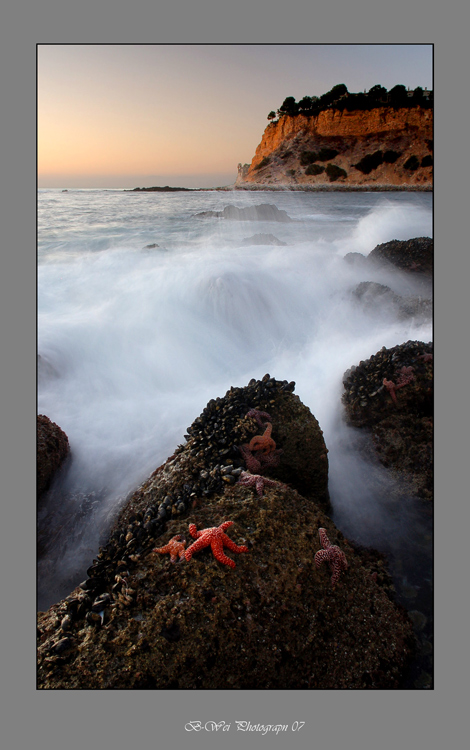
139,340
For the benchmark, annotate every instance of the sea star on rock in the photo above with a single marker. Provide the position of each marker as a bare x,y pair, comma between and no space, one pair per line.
175,548
256,481
333,555
217,539
405,377
261,460
263,443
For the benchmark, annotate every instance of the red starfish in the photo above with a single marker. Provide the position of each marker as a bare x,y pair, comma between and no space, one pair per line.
257,481
215,537
333,555
175,547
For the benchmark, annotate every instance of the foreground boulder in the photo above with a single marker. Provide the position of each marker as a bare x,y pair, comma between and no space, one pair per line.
52,449
392,395
274,620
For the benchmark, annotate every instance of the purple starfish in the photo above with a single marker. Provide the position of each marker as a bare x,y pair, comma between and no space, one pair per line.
256,481
333,555
261,460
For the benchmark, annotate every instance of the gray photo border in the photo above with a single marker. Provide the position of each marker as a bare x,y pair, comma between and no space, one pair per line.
121,720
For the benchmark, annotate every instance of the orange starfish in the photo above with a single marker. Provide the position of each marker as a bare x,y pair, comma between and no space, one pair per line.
175,547
263,443
217,539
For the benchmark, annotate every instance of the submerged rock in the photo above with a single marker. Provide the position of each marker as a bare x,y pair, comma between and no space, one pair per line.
263,239
381,299
273,621
52,449
262,212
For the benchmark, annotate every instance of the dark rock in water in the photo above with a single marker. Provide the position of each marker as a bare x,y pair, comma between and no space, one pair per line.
392,394
200,623
52,449
355,259
410,255
263,239
262,212
159,189
380,298
151,247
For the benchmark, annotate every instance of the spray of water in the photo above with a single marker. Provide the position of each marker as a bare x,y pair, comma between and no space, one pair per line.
133,342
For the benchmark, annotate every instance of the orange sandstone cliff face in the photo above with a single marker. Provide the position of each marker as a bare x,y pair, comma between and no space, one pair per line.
353,135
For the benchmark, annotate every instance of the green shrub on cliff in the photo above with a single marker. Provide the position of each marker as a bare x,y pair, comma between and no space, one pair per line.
411,164
390,157
325,154
334,172
308,157
314,169
369,162
263,163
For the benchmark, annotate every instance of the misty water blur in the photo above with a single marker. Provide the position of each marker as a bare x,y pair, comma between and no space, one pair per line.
134,341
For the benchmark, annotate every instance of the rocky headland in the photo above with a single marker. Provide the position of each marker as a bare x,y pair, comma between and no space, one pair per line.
381,149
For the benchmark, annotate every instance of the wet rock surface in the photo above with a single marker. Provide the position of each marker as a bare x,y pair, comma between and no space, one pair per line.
415,255
391,394
380,298
273,621
263,239
52,450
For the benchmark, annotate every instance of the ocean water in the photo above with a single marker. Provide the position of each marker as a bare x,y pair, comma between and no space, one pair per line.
134,341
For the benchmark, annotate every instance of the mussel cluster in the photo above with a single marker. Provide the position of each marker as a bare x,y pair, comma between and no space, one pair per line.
363,384
209,461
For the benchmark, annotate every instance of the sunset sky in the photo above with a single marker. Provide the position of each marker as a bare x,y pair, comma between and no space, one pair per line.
185,115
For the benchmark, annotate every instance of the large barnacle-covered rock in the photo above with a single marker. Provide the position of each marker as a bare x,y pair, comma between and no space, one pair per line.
142,620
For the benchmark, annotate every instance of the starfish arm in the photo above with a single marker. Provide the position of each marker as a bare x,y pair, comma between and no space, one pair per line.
390,386
252,463
193,531
230,544
320,557
270,459
162,550
218,550
225,525
259,485
324,541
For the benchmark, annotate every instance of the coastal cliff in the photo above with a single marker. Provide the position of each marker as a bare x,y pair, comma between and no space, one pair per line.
382,147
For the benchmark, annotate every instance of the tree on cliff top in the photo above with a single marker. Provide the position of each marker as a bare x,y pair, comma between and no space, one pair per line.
288,107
